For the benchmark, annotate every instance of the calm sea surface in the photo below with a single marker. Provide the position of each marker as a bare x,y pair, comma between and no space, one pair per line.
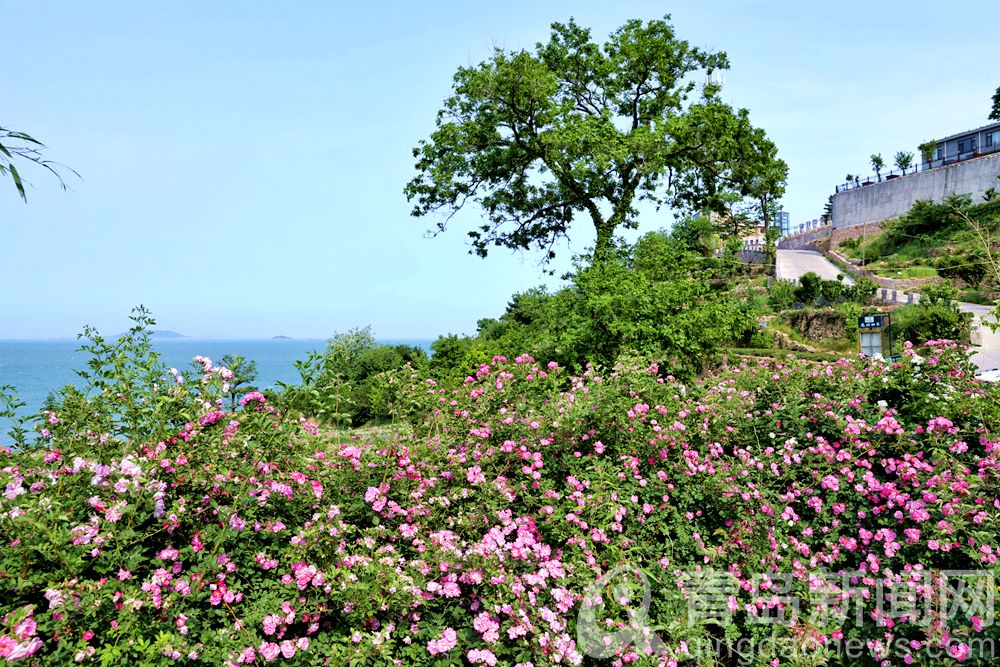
37,367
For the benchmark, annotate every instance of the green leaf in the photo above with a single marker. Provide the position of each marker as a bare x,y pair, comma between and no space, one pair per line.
17,181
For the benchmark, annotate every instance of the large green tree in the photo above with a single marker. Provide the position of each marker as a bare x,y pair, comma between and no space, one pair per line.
574,128
20,148
995,111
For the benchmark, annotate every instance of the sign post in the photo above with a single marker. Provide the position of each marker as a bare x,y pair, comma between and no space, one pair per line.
873,335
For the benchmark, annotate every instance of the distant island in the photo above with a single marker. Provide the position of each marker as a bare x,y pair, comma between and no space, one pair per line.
281,337
165,333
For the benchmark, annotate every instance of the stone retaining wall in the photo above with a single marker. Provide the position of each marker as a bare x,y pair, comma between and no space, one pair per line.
753,256
840,235
805,240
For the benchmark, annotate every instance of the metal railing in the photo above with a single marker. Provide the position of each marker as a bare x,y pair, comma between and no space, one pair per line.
858,182
877,178
961,157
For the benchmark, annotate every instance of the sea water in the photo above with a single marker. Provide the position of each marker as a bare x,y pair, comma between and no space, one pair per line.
37,368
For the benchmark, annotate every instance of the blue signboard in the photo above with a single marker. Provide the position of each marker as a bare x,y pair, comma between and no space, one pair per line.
873,321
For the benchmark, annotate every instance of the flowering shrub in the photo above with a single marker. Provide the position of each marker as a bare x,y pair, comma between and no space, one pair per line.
489,532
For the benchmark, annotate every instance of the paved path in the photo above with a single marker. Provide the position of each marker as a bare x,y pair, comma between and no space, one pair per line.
792,264
986,353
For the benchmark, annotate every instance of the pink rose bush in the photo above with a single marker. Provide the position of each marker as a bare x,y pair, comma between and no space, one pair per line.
774,499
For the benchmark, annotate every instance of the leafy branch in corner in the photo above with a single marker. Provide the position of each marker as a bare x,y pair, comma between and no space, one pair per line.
19,147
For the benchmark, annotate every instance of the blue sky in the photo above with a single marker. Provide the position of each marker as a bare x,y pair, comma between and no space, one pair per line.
243,162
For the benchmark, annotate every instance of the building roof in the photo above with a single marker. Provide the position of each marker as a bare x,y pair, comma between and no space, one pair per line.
991,126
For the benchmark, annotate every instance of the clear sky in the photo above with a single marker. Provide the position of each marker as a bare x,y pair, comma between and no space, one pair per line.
243,162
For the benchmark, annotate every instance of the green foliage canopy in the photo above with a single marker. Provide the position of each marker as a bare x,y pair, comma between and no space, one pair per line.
574,127
813,290
928,217
927,150
935,317
659,296
903,160
696,234
343,384
877,164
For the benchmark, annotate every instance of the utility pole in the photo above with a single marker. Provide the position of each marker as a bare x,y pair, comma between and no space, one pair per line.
864,231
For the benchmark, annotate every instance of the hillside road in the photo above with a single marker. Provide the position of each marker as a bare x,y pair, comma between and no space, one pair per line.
986,351
793,264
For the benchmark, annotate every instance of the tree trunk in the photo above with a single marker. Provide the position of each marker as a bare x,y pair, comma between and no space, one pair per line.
602,247
606,229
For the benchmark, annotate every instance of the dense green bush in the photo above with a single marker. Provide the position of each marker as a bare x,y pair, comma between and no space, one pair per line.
813,290
850,311
863,290
971,268
341,385
655,297
697,234
810,288
923,323
926,218
935,316
450,357
849,244
781,294
834,291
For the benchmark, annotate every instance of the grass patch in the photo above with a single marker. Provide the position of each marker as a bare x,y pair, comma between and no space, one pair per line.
847,271
978,297
919,271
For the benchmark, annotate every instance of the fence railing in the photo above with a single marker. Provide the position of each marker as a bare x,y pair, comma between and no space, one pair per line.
858,182
877,178
960,157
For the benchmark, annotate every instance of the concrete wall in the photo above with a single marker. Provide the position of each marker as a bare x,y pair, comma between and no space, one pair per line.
890,199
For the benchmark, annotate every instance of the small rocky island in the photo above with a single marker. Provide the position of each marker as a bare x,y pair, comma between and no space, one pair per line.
160,334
